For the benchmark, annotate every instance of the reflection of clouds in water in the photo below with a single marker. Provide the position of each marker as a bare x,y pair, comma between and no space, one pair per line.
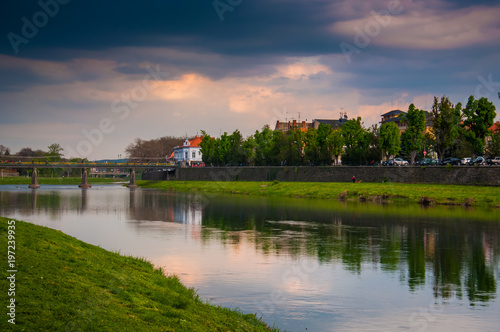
305,261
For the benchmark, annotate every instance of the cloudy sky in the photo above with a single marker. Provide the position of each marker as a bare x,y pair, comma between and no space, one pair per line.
94,75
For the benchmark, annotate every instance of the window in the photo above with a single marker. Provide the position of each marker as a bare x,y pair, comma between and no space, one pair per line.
193,155
185,155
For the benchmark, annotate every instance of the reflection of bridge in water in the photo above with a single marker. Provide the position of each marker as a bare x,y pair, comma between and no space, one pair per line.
131,167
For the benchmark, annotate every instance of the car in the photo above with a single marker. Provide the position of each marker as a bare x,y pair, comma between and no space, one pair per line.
465,161
398,162
495,161
429,162
450,161
478,161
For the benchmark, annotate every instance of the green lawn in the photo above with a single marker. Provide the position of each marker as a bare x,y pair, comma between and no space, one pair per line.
63,284
388,192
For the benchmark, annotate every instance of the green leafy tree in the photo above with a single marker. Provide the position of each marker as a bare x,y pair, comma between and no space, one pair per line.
264,142
235,154
208,149
311,149
446,120
248,147
357,142
493,148
413,136
292,150
336,143
479,116
54,153
390,140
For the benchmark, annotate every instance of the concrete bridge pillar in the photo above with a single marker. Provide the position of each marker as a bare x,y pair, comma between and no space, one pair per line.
34,180
85,181
132,184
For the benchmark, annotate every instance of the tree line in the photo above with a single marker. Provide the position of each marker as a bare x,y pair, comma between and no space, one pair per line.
453,131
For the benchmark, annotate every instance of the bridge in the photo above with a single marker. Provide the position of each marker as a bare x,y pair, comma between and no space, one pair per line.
84,166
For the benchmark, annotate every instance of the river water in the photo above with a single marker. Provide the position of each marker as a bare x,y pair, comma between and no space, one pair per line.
315,265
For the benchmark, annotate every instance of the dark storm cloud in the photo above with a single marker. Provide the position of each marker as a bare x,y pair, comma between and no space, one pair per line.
252,26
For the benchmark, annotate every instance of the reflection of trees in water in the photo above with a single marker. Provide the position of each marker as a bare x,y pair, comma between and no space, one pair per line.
31,202
164,206
458,257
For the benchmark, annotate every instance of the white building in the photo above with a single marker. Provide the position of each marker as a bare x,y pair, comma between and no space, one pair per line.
189,153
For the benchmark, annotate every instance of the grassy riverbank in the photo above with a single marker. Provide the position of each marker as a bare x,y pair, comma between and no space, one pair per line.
380,192
69,181
63,284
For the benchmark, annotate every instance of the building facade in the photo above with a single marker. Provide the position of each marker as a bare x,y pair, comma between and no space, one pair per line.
189,153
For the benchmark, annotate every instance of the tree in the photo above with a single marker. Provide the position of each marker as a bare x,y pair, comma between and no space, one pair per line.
248,148
292,151
390,141
208,147
445,128
318,147
54,152
357,141
336,143
153,149
28,152
413,136
311,149
493,148
235,153
479,117
263,146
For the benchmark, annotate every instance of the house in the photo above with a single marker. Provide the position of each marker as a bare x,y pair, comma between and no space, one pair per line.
395,116
305,126
398,117
493,129
286,126
333,123
189,153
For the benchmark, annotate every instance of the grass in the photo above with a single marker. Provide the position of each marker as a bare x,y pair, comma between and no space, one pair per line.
63,284
58,180
381,192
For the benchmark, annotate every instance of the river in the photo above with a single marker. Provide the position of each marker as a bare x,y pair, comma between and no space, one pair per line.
300,264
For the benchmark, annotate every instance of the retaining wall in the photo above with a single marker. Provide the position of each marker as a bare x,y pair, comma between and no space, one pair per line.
483,175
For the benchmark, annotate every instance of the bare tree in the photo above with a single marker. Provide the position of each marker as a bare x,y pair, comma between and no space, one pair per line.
153,150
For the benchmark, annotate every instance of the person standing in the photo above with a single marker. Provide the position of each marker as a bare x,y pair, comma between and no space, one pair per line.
353,179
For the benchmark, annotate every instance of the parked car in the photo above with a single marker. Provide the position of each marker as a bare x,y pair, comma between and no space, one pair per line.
478,161
495,161
465,161
451,161
398,162
429,161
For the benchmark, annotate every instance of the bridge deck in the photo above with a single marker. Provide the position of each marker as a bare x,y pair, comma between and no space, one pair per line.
40,165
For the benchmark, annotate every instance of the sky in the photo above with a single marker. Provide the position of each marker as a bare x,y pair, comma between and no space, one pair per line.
93,76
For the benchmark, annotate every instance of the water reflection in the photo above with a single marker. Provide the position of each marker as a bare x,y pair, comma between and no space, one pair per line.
453,252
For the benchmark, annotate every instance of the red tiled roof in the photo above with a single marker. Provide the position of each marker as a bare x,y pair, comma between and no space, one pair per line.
195,141
495,127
